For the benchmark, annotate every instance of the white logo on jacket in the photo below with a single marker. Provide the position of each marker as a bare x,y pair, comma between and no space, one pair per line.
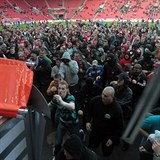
108,116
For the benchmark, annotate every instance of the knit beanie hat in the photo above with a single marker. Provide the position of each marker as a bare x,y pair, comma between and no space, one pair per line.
74,146
111,55
124,76
111,59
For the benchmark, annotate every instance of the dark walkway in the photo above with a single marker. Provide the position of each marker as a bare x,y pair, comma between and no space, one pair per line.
118,154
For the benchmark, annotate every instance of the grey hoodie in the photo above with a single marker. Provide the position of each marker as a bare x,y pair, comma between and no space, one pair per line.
69,72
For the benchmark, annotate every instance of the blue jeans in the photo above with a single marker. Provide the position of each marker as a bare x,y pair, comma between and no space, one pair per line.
61,130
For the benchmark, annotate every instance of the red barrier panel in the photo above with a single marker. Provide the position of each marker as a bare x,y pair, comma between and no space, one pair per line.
15,85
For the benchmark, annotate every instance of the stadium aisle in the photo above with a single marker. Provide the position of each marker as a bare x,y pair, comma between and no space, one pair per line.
47,154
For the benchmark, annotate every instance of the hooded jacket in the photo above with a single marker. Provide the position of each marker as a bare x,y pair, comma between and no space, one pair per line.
69,72
110,70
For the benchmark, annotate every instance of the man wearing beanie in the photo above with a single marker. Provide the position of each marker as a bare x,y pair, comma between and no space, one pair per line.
74,149
123,94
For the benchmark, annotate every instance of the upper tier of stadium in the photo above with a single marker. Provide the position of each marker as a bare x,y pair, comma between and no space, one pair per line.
27,10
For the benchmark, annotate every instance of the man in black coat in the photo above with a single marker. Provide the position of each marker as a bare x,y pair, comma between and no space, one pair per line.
110,70
137,82
104,121
42,76
124,94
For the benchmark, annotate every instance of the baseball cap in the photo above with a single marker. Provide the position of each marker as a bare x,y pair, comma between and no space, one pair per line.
94,63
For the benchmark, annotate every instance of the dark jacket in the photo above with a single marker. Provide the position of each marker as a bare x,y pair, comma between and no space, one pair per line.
42,72
123,95
140,85
106,120
74,146
87,92
110,70
86,155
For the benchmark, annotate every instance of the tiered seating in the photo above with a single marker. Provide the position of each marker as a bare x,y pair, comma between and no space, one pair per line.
2,4
25,14
89,9
9,12
55,3
57,6
68,5
71,7
152,9
74,9
137,9
133,10
13,15
42,7
21,4
112,9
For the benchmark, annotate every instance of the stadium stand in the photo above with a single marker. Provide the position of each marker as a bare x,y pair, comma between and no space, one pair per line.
119,9
71,7
82,9
89,9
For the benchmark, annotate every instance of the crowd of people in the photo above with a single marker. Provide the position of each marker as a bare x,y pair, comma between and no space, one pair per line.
91,74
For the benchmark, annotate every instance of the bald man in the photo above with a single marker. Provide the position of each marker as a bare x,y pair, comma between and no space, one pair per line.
104,121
